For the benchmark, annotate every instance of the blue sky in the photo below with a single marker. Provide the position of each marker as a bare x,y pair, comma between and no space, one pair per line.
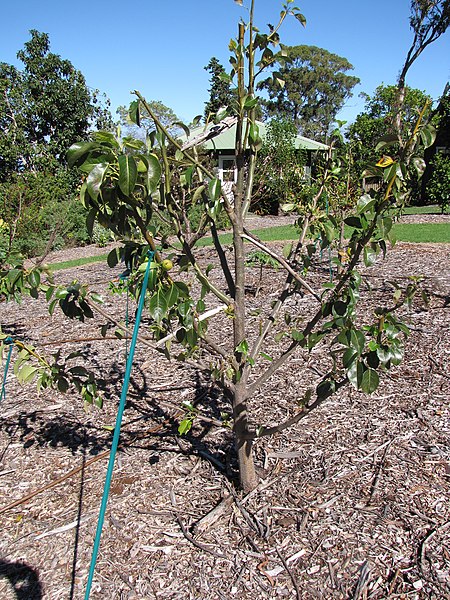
160,48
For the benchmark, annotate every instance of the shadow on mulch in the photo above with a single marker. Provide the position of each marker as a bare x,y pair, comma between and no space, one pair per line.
152,426
23,579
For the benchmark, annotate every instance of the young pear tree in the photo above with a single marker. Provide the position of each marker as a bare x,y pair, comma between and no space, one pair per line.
129,182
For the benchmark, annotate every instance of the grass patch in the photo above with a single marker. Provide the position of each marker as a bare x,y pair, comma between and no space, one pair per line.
436,233
77,262
419,233
433,209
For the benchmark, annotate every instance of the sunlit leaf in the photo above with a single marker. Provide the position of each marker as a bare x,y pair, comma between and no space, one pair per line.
127,174
95,180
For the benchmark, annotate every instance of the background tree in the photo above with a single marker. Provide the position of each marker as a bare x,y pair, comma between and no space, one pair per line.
429,20
435,181
377,119
220,93
316,85
280,170
44,108
164,113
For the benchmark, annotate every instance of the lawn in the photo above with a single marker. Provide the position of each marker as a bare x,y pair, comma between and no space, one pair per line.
404,232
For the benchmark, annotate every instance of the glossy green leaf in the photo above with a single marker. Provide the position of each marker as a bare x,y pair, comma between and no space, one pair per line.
369,381
95,179
386,140
158,306
355,374
184,426
419,165
79,151
172,296
325,389
301,18
353,222
428,135
113,257
153,172
214,189
134,113
106,137
127,174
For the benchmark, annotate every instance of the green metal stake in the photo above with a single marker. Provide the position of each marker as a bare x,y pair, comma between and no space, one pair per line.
115,442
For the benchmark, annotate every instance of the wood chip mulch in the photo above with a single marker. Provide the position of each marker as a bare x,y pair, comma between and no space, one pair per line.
353,501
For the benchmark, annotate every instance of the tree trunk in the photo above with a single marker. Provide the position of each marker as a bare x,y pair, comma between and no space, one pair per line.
247,473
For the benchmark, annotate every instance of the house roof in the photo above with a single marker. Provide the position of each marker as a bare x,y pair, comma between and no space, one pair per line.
226,139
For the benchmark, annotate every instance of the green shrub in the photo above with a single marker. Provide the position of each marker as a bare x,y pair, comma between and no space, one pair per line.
438,186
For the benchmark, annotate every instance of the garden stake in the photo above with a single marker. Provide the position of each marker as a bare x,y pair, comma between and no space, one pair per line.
124,277
10,342
116,436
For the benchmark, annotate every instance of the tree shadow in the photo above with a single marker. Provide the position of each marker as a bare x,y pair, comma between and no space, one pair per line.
23,579
209,399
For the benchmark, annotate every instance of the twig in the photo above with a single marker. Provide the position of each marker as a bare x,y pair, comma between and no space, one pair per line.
251,520
362,582
376,479
251,238
213,515
290,573
54,483
185,532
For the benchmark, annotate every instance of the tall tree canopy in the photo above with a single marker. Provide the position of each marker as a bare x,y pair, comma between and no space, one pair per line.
316,85
165,114
220,92
429,19
44,108
378,117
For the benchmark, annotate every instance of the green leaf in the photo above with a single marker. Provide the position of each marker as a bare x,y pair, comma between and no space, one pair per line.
78,151
349,357
370,381
113,257
184,426
106,137
158,306
26,373
325,389
353,222
214,189
242,347
428,135
386,140
34,278
300,18
172,296
419,165
95,179
357,340
365,203
127,174
250,103
153,172
134,113
355,374
253,134
369,256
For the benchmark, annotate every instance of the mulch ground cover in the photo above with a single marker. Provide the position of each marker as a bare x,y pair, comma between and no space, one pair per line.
353,501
